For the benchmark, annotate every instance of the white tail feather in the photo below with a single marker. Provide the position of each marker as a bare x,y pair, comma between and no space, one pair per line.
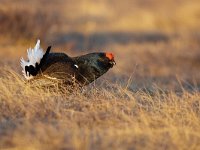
34,56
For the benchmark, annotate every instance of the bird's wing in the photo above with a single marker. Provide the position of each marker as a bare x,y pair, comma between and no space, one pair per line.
59,66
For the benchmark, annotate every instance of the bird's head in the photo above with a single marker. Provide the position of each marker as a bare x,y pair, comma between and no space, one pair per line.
94,65
106,59
101,60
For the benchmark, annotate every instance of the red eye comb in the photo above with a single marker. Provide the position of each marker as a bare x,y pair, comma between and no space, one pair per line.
110,56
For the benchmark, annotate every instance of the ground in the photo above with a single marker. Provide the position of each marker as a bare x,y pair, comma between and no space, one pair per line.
149,100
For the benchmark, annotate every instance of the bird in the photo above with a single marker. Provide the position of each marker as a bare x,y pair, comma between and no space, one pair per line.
81,70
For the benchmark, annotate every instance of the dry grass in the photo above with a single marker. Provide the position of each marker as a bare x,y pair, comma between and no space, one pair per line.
149,100
96,118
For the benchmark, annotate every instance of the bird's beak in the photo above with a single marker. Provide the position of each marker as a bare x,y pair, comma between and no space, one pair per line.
112,62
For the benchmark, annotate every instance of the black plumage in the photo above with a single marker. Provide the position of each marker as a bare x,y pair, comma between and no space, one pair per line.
82,69
92,66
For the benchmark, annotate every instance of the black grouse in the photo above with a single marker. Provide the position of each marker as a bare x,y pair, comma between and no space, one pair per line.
59,66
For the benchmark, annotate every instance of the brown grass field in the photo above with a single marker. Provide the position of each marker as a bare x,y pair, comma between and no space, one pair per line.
149,100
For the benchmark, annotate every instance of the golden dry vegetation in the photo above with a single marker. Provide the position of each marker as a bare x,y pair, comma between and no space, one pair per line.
149,100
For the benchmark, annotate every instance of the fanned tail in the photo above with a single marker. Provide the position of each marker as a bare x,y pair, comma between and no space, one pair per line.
36,56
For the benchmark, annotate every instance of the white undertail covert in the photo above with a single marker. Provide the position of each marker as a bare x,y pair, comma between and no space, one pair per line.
34,56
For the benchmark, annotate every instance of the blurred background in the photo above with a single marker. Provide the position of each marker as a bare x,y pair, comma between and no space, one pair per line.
154,42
